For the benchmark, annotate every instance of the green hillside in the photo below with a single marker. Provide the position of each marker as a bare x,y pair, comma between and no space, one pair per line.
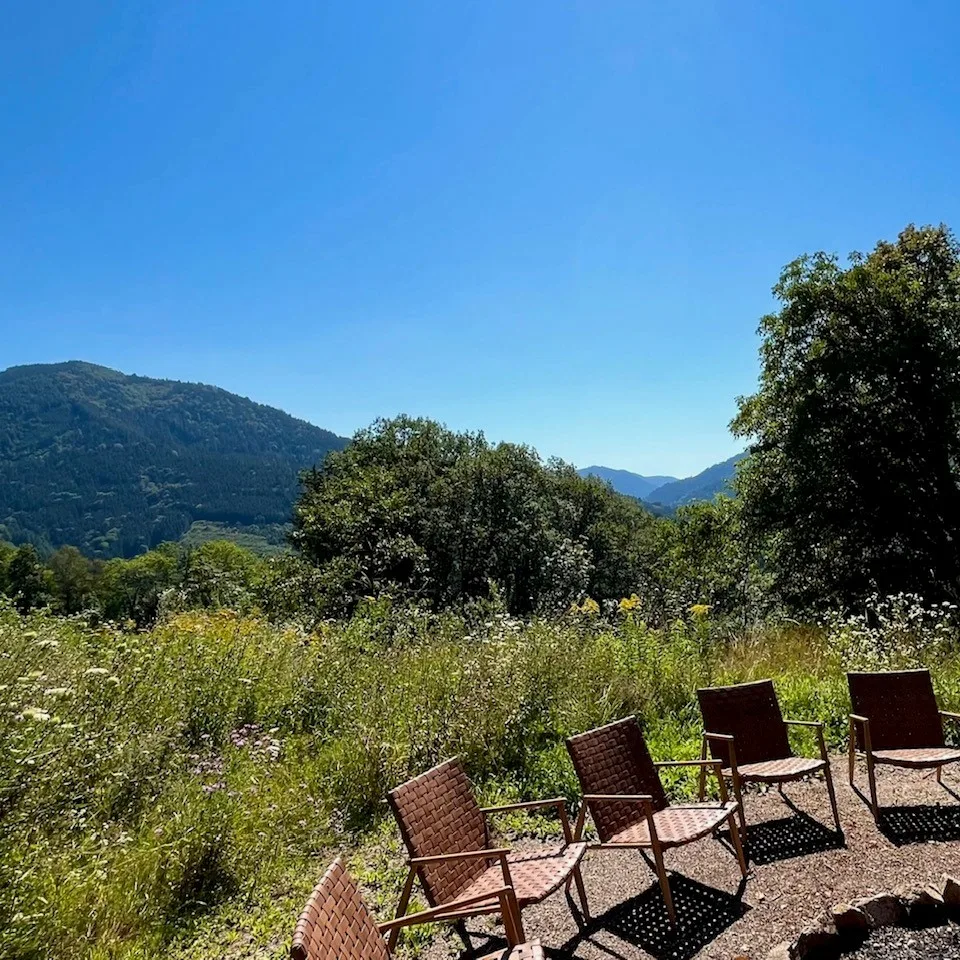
116,464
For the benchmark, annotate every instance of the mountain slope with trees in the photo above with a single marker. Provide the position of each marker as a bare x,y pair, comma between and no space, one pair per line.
116,464
625,481
704,486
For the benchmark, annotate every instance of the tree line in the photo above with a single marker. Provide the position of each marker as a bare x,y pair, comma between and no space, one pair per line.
851,487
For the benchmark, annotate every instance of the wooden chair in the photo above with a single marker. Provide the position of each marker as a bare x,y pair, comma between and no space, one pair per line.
622,790
447,837
746,730
896,721
337,925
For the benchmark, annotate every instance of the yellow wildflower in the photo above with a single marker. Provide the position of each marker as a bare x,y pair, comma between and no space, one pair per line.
628,604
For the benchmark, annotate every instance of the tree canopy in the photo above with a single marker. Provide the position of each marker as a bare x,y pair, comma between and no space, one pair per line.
853,479
411,506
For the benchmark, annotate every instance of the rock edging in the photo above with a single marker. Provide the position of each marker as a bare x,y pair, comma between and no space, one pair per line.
844,925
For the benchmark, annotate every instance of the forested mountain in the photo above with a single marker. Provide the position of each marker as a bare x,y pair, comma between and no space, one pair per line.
704,486
623,481
668,491
116,464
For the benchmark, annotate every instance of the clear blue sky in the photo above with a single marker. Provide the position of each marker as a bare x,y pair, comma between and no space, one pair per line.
558,222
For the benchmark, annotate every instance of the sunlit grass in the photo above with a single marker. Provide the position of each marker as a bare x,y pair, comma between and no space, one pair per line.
178,791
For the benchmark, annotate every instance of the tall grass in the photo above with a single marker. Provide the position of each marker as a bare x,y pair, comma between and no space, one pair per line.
178,791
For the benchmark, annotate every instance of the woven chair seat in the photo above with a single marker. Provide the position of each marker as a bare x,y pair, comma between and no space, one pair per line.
917,756
523,951
772,771
676,825
534,874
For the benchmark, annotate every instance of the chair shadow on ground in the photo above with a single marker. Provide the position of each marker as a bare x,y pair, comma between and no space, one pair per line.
703,913
768,841
921,823
918,823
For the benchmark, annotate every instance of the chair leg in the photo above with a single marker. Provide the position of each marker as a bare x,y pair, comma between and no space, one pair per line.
939,774
664,884
872,777
402,906
737,845
518,924
581,890
512,921
702,776
738,793
851,759
828,776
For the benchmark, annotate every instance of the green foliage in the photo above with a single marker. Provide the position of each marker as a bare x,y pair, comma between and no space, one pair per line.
116,464
161,790
26,582
133,589
413,509
73,580
706,557
854,472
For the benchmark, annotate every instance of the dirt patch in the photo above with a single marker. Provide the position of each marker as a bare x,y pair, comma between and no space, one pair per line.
799,869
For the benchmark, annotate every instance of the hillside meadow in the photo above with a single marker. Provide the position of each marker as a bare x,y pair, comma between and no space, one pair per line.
177,791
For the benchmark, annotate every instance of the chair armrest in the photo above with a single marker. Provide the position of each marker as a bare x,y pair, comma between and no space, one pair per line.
427,916
689,763
731,761
817,726
557,802
626,797
855,718
525,805
492,853
949,715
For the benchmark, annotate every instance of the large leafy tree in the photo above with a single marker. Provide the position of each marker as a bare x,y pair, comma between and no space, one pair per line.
855,461
415,508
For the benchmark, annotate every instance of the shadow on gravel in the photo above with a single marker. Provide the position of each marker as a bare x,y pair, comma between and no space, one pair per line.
796,836
703,913
920,824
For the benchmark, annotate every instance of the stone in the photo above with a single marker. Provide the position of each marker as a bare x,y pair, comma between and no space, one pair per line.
814,939
950,890
849,919
882,910
782,951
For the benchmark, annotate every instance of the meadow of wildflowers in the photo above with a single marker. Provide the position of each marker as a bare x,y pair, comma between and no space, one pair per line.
177,791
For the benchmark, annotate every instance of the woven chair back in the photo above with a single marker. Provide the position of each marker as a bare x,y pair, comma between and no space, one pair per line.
901,707
438,813
750,713
336,924
615,759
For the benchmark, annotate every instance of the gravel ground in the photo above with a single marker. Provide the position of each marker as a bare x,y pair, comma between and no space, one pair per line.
896,943
799,867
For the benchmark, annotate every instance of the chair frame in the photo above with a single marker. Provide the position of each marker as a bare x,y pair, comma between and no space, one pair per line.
872,761
506,906
654,843
451,910
738,779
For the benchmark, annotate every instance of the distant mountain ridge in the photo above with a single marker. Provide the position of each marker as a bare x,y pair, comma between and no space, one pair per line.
623,481
704,486
671,492
115,464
